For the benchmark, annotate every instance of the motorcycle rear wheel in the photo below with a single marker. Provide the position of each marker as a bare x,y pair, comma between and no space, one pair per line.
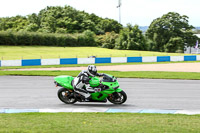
118,97
66,96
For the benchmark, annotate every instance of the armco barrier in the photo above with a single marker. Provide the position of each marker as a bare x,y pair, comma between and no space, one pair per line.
102,60
190,58
149,59
163,58
33,62
134,59
86,60
68,61
198,57
11,62
50,62
62,61
119,60
176,58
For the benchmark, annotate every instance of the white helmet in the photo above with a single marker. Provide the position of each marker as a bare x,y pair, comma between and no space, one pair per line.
92,70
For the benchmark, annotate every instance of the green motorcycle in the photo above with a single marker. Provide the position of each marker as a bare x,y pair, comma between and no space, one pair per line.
106,88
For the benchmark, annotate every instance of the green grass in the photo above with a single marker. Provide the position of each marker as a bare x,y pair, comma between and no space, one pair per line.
37,52
98,123
140,74
100,64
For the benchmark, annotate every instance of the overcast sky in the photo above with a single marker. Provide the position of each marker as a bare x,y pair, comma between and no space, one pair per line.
141,12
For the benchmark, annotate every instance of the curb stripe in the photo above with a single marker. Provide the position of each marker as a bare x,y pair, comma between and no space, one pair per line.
105,110
123,111
141,111
2,111
158,111
20,110
188,112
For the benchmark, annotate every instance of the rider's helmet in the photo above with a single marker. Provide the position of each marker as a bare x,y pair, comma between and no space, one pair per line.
92,70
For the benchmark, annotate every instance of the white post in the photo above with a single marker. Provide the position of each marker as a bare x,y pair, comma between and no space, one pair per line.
119,10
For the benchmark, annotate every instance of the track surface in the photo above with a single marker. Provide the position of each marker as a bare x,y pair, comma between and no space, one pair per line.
39,92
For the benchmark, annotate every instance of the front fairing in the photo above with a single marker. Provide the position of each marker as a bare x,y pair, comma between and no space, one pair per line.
110,88
111,85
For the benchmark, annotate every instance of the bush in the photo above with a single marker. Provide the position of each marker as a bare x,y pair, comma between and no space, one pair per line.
108,40
23,39
86,38
7,38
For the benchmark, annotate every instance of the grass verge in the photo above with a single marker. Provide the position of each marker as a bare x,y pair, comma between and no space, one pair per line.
46,52
140,74
98,123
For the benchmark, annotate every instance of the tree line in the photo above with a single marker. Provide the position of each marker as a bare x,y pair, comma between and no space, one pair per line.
66,26
60,20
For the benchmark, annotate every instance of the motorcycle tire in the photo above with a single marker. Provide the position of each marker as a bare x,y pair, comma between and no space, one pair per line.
68,96
115,96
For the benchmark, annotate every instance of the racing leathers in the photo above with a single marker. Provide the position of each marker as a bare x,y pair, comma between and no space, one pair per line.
81,83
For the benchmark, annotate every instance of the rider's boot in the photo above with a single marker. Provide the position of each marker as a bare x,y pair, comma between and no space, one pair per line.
85,95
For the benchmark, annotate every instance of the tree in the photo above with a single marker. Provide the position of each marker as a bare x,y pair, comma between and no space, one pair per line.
171,33
174,44
131,38
108,25
60,20
16,23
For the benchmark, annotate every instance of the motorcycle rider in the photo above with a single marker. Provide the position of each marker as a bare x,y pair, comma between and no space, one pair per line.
83,80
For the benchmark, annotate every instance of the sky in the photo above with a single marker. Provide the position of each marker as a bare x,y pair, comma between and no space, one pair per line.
140,12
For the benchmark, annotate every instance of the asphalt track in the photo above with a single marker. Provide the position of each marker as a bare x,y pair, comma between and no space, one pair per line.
34,92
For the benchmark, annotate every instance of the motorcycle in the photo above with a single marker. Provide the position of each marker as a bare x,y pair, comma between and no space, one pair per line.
103,89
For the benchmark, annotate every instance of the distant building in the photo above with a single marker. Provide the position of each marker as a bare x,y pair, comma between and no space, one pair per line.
198,35
193,50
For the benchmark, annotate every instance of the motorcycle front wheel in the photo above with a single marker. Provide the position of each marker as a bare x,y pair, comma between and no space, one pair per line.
118,97
66,96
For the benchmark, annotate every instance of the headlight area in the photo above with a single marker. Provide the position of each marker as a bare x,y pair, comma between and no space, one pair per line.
56,84
114,80
115,87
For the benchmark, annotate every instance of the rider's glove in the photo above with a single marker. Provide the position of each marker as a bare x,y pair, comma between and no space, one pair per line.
101,74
